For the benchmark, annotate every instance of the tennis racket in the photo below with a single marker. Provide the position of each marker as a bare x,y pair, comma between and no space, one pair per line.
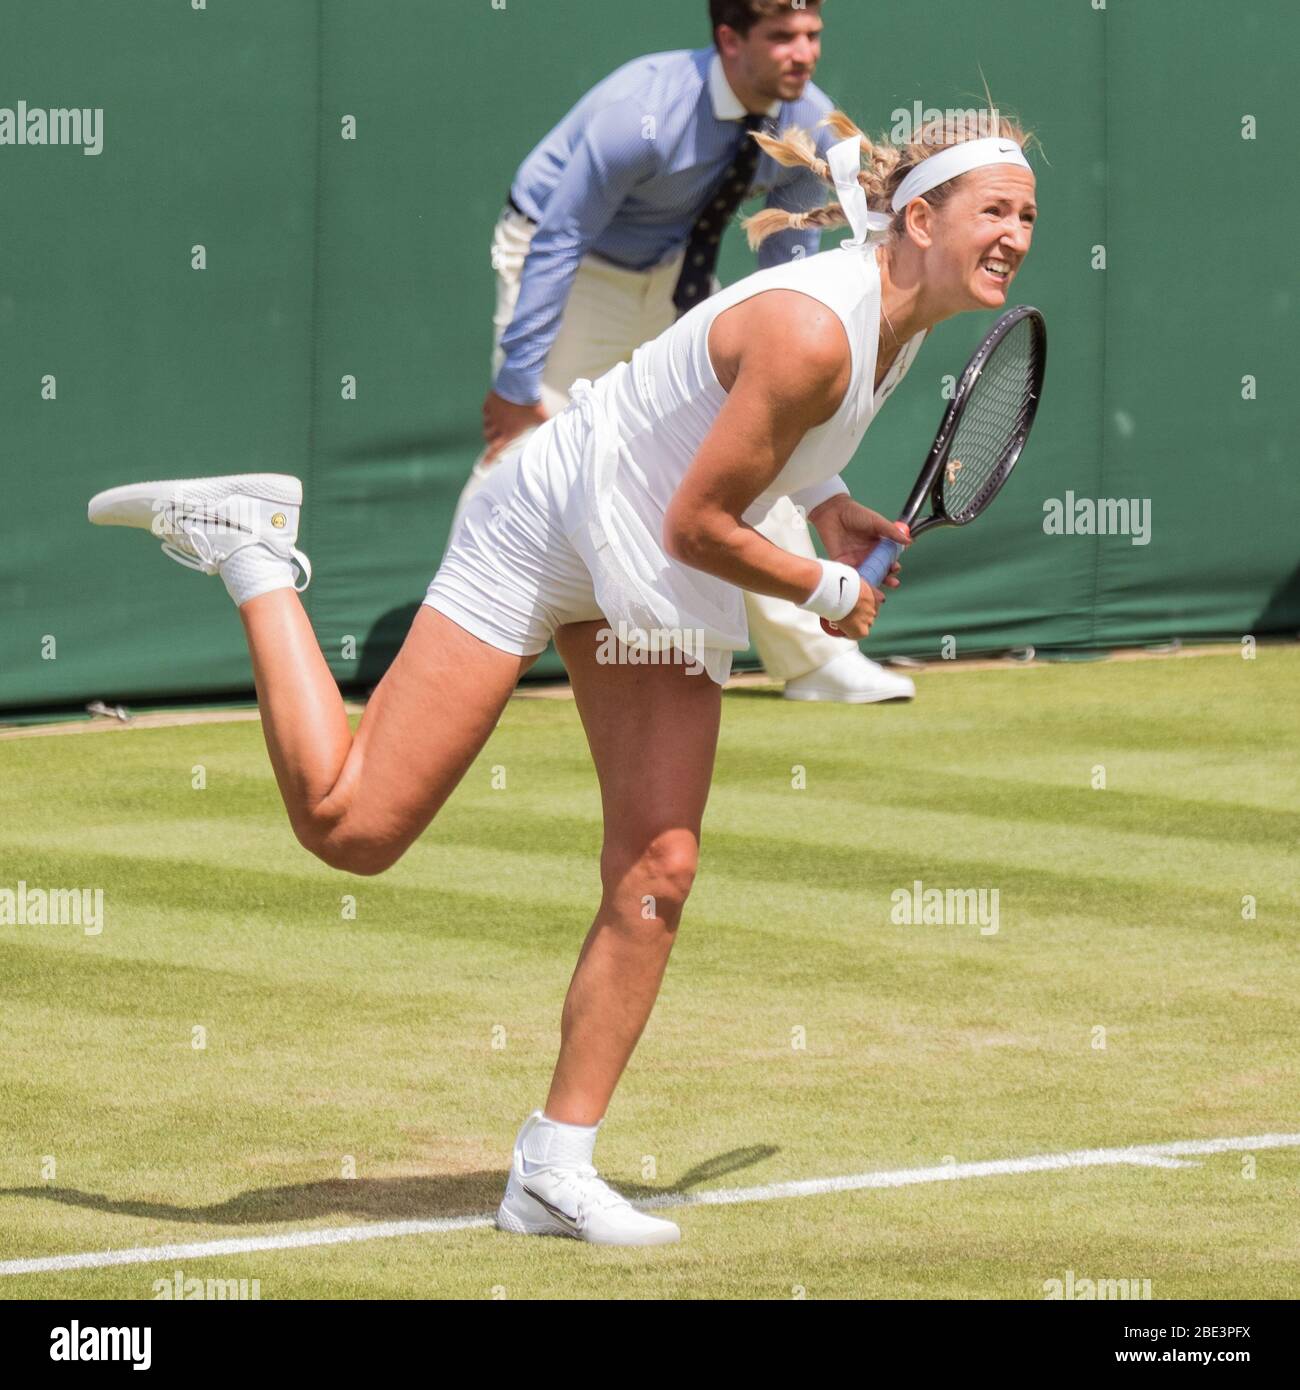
981,436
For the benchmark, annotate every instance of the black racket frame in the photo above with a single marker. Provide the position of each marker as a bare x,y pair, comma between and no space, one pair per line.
930,480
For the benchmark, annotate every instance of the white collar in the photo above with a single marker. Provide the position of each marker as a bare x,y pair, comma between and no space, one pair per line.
727,106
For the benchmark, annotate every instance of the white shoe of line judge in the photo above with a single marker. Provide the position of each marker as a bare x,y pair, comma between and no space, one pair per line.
850,679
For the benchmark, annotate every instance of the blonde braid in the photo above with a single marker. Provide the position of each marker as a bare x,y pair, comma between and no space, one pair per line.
885,167
792,148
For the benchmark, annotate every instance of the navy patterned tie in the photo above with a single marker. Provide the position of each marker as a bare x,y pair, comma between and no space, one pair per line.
706,236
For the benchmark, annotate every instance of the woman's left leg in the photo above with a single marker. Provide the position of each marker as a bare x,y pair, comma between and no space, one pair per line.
653,733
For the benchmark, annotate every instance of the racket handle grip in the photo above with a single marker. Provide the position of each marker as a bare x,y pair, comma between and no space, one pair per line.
873,569
877,565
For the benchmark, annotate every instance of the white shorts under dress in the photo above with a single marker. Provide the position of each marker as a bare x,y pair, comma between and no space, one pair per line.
512,573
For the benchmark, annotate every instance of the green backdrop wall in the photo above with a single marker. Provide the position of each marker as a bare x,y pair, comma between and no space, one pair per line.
328,258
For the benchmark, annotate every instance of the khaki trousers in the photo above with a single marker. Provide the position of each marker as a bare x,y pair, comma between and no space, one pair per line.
609,314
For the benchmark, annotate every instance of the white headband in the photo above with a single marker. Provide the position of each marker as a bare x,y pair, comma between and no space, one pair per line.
956,159
845,162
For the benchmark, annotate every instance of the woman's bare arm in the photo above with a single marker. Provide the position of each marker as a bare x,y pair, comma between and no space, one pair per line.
784,359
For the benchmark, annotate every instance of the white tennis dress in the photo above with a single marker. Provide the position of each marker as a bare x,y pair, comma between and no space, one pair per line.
570,527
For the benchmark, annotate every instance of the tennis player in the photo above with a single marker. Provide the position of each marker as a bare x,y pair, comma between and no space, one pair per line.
612,229
632,509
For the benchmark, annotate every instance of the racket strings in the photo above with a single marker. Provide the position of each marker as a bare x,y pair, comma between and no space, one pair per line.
992,426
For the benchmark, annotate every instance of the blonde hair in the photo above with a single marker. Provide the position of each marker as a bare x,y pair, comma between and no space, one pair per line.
886,166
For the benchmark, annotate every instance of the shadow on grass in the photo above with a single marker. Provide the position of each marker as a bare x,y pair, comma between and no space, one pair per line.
380,1199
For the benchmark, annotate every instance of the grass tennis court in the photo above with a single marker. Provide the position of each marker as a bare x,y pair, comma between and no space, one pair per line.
415,1036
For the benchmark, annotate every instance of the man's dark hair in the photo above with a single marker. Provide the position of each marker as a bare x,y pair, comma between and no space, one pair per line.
742,15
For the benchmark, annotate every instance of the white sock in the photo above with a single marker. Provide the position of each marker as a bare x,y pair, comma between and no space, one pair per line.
550,1144
254,570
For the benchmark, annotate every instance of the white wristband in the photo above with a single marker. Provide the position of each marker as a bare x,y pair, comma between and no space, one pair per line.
837,594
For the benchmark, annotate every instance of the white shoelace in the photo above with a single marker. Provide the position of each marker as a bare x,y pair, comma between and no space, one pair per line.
205,560
304,564
593,1191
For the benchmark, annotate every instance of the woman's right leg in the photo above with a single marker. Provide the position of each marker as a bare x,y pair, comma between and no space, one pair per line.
359,801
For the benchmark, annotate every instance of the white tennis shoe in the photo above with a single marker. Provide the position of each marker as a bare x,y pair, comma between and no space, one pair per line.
850,679
574,1202
202,522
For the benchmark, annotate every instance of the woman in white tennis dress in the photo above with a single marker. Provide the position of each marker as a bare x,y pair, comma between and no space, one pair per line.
620,532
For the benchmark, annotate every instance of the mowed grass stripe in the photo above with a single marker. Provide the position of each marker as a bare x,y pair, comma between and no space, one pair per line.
459,859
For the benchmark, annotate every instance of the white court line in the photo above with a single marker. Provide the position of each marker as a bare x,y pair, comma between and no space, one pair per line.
1141,1155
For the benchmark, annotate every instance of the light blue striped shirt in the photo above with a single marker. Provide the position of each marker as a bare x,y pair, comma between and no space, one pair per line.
625,175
